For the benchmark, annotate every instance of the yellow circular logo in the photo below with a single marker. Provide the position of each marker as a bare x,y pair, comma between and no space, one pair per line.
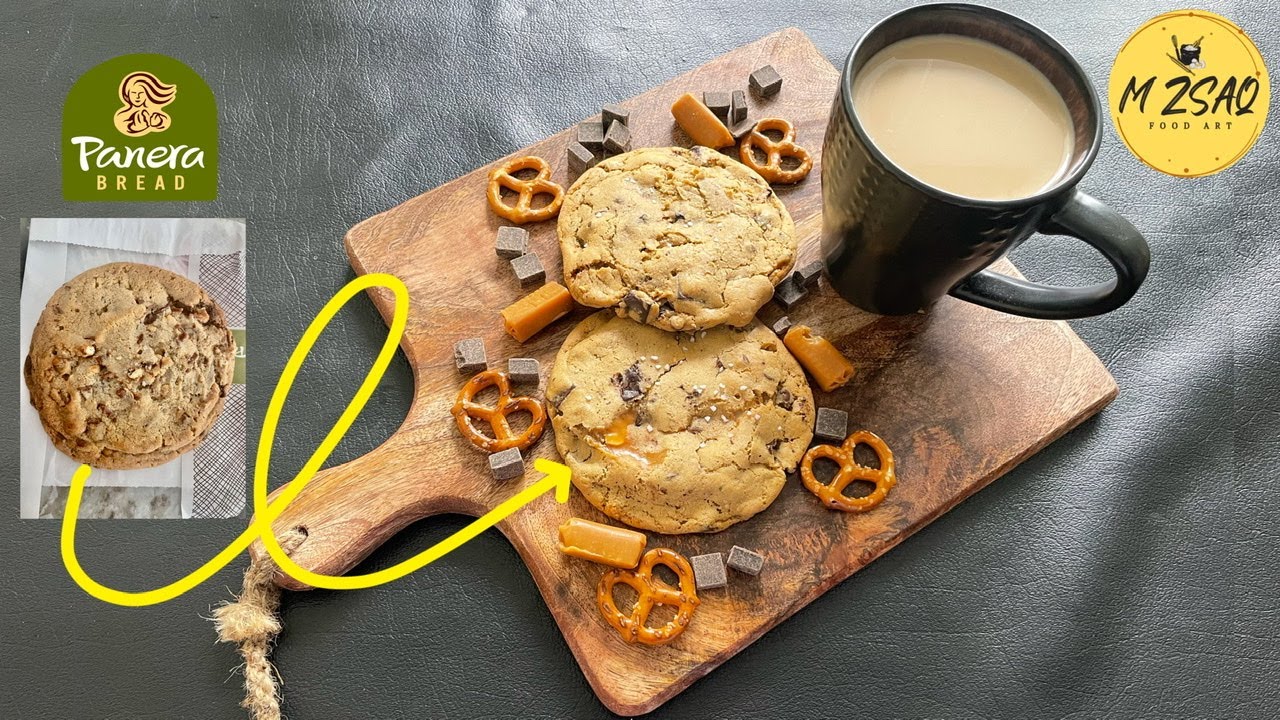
1189,93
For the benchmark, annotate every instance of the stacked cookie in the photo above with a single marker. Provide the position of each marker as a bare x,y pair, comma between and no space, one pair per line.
678,411
129,366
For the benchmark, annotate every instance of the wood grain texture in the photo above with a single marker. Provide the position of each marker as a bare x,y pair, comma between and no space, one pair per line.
960,394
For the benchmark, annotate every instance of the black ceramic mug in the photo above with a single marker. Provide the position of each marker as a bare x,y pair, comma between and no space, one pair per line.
893,243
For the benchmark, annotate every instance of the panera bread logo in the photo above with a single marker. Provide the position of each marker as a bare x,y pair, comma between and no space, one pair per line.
128,134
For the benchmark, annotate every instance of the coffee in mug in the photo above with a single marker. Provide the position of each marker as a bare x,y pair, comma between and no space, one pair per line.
957,132
965,115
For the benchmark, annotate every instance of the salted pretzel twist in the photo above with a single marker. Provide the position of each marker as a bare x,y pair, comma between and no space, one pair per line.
650,591
832,495
466,410
503,176
774,151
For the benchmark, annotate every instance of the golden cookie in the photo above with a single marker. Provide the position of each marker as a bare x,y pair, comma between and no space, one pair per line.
675,432
678,239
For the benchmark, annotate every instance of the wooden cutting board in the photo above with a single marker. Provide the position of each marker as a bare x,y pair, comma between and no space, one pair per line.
961,395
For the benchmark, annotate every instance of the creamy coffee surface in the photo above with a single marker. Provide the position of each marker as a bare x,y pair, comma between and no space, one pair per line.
965,116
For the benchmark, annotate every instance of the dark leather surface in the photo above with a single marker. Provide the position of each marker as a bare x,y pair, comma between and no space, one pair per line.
1129,570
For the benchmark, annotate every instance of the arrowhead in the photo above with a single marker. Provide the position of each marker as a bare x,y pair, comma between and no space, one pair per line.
560,474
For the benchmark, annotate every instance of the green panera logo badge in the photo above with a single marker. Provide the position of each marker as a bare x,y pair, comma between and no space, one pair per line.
140,127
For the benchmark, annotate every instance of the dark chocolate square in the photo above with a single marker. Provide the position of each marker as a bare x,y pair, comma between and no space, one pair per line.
528,269
614,113
766,81
617,139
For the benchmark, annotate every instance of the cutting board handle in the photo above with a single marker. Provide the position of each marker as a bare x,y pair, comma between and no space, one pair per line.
349,510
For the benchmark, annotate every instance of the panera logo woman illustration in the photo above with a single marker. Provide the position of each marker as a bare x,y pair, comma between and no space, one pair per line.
144,97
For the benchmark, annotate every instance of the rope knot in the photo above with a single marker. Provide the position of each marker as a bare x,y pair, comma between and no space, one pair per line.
251,623
240,623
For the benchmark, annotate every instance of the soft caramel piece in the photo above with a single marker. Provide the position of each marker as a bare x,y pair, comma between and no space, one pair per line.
699,123
605,544
616,434
525,317
829,368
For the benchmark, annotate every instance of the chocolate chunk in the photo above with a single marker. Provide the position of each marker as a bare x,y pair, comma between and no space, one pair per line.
591,135
469,355
741,129
810,273
507,464
559,397
580,158
628,383
782,325
832,425
783,399
718,103
737,107
529,269
614,113
617,139
523,371
745,561
766,81
788,292
637,307
708,571
512,242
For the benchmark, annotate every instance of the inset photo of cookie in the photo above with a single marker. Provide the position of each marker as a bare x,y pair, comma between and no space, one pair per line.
130,368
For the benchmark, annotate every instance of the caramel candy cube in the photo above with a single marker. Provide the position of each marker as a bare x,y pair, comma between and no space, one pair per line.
605,544
699,123
527,316
829,368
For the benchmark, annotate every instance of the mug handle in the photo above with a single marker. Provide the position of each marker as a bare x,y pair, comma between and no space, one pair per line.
1086,218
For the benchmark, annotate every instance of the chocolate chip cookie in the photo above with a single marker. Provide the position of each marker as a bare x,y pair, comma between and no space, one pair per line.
678,239
129,366
678,432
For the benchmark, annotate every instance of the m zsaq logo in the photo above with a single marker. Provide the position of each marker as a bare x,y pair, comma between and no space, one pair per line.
1189,109
140,127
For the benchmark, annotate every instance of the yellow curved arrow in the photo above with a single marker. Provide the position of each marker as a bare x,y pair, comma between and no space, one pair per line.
557,478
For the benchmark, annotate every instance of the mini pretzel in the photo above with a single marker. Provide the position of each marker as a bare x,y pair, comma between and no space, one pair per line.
833,495
504,176
650,591
774,151
466,411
